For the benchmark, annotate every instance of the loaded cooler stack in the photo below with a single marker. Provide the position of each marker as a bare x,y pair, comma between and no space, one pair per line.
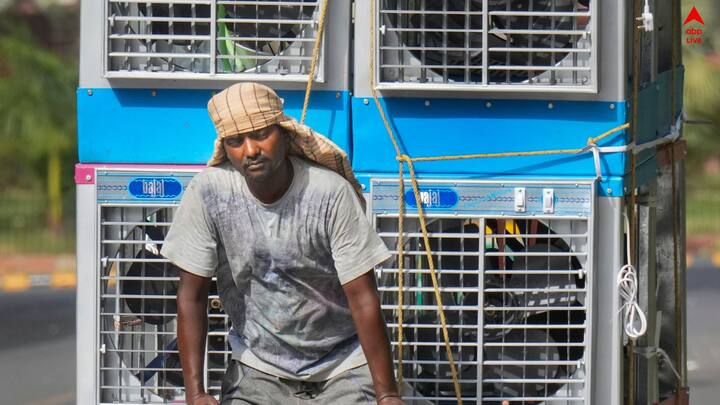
148,69
515,156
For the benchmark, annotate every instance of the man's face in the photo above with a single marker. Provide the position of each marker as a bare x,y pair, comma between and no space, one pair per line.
257,155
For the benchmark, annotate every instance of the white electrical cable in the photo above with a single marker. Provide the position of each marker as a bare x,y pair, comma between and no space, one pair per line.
646,18
634,318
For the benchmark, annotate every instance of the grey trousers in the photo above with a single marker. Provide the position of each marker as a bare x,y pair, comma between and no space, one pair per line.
243,385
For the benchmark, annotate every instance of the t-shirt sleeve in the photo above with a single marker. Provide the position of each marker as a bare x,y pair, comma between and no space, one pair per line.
356,248
190,243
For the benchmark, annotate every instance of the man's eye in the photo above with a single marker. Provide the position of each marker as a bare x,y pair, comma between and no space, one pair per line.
234,141
260,135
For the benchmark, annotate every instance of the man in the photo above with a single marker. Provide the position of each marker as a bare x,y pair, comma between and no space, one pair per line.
278,218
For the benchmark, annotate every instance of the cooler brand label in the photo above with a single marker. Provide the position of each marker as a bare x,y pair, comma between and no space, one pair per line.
433,198
154,187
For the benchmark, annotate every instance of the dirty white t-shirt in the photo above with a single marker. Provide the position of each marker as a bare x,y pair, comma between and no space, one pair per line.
280,266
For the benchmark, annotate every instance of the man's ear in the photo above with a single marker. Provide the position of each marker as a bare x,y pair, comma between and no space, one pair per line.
287,136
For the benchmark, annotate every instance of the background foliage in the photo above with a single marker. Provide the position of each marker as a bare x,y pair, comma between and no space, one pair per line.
38,77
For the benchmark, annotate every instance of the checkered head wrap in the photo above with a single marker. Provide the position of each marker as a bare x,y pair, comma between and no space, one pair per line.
248,107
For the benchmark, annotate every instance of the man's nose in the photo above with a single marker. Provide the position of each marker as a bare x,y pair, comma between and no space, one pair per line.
251,149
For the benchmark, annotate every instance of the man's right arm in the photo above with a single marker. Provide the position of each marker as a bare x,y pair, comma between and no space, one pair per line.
192,298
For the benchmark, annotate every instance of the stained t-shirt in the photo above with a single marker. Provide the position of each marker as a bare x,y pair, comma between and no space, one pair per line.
280,266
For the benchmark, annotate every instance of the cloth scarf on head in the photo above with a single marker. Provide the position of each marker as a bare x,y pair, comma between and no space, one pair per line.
248,107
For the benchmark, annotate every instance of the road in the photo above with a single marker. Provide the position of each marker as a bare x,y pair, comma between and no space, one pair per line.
37,347
704,334
37,343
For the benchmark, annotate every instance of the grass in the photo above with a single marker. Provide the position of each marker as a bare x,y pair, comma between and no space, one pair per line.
703,205
23,227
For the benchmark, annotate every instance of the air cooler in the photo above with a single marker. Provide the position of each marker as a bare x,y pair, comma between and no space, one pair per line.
514,287
134,289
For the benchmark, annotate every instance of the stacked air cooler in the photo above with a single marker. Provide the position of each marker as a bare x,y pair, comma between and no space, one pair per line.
147,71
526,248
516,288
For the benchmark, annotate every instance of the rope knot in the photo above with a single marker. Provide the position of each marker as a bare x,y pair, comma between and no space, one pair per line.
403,158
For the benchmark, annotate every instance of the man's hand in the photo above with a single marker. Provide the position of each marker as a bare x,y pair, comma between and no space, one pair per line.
393,400
364,305
203,399
192,299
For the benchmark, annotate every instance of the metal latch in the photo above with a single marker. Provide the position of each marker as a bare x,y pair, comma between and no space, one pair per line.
548,201
520,205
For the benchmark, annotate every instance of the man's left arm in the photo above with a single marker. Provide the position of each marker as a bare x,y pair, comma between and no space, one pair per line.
365,308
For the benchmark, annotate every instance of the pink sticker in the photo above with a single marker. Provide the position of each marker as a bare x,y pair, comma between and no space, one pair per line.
84,174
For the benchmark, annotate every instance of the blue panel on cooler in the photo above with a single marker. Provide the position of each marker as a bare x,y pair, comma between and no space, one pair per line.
172,126
459,126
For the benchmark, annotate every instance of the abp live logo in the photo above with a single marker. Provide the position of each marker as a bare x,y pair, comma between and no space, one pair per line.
693,35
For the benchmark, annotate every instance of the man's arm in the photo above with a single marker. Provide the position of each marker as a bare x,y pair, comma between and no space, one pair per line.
365,308
192,299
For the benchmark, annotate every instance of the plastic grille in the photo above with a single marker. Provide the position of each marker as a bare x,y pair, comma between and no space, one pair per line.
475,44
139,360
211,39
515,294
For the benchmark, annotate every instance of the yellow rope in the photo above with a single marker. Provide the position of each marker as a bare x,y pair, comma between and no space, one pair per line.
315,58
403,159
433,277
525,153
400,275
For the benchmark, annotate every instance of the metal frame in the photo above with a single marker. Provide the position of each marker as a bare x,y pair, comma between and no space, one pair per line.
86,320
607,382
94,74
484,84
212,74
117,364
610,66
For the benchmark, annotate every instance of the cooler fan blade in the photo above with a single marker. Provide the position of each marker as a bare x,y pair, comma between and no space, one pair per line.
150,278
265,38
166,365
555,286
503,377
529,39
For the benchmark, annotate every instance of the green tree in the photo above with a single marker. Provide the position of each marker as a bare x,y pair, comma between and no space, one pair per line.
702,103
37,114
702,86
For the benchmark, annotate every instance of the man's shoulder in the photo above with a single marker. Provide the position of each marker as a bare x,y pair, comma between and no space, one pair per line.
212,175
321,178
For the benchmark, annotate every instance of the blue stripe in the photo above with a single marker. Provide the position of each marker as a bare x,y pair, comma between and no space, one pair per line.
455,126
173,127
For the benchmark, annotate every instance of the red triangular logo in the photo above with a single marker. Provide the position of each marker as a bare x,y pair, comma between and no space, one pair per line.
694,16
